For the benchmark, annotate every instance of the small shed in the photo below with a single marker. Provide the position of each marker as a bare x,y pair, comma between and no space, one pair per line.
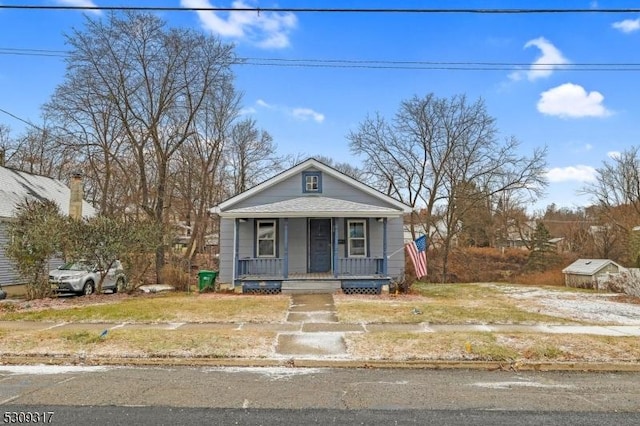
586,273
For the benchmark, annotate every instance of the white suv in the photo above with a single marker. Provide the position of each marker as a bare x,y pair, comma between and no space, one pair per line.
83,277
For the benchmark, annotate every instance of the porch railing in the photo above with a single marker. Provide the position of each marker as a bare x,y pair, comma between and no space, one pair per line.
274,267
360,266
271,266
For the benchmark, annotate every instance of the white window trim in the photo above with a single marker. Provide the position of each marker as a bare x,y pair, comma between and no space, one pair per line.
309,181
349,238
274,239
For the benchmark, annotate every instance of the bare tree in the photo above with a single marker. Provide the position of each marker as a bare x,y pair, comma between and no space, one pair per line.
251,156
38,151
434,147
199,173
155,81
88,123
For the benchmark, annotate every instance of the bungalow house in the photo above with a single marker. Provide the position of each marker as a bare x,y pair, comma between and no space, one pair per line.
311,228
587,273
15,187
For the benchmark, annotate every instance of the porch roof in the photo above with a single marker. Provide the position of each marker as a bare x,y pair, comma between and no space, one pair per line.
313,206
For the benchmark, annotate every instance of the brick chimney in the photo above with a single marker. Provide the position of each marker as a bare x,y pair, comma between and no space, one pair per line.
75,200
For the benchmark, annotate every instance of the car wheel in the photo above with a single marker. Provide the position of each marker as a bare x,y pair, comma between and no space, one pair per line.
119,285
88,288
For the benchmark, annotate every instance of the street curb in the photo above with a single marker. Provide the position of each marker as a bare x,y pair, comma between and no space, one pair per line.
323,363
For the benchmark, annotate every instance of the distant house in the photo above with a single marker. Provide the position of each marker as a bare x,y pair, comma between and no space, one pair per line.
15,187
311,228
586,273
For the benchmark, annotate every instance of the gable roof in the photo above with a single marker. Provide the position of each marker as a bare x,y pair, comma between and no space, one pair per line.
16,186
320,206
588,266
307,164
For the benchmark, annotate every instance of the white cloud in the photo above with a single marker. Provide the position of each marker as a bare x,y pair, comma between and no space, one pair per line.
588,147
578,173
306,113
263,104
614,154
269,30
81,3
300,113
247,111
551,58
572,101
627,26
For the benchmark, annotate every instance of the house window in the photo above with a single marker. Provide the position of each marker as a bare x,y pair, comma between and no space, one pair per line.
357,238
266,238
311,182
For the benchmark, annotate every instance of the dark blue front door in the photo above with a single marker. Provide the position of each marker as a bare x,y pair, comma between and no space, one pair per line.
319,245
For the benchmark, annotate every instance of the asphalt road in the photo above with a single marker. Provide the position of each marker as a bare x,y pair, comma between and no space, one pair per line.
281,395
126,416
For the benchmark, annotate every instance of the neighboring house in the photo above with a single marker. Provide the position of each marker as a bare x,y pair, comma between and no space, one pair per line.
311,227
15,187
518,235
586,273
436,234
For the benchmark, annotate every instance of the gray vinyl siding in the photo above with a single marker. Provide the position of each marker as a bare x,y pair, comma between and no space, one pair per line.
226,251
8,274
292,187
395,248
297,245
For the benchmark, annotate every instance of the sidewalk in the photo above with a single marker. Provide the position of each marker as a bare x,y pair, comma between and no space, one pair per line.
312,333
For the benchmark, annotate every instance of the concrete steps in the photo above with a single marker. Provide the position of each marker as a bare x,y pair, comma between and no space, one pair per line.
310,287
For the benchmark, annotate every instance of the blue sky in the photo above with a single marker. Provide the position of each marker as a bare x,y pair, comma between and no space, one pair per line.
584,117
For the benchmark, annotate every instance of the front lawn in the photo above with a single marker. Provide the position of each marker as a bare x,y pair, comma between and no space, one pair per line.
441,304
170,307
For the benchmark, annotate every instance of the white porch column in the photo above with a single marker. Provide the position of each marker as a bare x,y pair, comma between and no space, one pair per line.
285,262
236,250
384,246
334,228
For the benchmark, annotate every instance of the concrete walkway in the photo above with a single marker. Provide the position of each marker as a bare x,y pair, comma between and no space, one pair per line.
319,334
312,323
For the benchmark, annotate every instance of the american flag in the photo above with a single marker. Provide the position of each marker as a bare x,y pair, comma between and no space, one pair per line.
418,253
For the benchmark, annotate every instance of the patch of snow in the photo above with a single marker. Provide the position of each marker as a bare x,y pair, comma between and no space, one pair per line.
511,385
596,307
51,369
272,373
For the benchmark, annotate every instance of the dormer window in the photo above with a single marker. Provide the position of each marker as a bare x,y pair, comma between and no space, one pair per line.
311,182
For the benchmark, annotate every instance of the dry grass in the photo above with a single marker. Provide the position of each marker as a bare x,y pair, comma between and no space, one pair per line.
553,277
141,343
512,347
165,308
441,304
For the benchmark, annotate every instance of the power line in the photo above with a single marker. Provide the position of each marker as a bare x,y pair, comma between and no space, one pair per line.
385,64
319,10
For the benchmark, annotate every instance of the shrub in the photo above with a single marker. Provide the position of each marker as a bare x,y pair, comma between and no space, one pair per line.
174,275
627,283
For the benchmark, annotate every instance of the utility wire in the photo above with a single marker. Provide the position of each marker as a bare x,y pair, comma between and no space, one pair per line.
383,64
318,10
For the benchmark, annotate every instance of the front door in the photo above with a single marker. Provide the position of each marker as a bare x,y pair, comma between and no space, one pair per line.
319,245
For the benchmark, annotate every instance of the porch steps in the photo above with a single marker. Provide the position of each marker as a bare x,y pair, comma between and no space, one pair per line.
310,286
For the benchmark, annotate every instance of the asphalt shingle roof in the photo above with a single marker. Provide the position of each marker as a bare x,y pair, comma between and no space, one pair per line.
314,205
587,266
16,186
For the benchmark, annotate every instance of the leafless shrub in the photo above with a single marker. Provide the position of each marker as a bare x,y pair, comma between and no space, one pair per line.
626,282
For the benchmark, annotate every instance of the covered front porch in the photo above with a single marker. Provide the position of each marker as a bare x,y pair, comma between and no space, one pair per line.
293,252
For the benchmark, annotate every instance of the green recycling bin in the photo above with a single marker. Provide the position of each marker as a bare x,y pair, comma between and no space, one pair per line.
206,280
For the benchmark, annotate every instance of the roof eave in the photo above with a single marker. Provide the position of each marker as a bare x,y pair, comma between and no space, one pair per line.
259,215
